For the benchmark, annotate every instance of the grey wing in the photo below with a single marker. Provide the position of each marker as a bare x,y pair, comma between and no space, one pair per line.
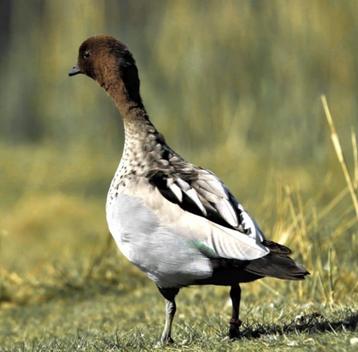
201,192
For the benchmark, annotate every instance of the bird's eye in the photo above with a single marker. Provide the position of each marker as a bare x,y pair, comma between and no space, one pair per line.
86,54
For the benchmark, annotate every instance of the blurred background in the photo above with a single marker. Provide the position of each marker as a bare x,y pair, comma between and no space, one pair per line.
233,85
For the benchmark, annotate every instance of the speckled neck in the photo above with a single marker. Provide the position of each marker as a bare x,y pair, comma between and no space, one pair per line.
138,129
143,144
139,133
139,152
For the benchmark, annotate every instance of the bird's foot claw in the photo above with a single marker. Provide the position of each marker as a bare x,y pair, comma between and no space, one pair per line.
234,330
164,341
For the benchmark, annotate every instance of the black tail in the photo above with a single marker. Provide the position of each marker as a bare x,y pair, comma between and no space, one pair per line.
277,264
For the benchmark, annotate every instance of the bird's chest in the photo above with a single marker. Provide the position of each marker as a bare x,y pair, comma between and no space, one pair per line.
130,222
139,220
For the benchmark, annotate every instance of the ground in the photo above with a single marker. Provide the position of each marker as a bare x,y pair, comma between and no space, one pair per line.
65,287
109,318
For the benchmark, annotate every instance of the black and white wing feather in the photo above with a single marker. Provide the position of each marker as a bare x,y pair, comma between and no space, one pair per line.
200,192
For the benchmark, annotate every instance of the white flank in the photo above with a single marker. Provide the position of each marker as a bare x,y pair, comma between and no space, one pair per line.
158,236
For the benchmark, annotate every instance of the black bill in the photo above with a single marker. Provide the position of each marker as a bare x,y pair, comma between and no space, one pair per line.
75,70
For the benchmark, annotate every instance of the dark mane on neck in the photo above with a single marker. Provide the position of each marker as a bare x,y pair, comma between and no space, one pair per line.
128,73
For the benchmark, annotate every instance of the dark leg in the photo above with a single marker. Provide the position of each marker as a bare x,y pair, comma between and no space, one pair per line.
235,322
170,308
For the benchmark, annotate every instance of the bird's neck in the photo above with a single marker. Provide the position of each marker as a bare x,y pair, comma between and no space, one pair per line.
138,129
134,115
141,136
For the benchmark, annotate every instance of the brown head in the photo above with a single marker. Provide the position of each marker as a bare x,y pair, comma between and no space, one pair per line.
110,63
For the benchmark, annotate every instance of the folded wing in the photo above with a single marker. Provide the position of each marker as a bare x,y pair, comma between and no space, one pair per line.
202,193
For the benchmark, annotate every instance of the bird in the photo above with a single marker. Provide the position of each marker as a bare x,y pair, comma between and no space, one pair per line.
177,222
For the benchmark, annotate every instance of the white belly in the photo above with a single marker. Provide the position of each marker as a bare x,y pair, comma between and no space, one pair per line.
168,258
162,239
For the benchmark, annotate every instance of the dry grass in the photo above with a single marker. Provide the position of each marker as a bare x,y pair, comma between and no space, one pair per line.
55,248
340,156
234,87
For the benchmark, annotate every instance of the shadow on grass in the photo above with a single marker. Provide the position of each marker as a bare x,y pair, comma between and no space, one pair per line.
309,323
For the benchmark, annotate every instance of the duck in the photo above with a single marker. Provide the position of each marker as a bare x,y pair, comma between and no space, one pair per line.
177,222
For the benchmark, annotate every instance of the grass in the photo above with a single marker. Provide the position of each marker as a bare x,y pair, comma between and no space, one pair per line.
239,79
64,287
112,320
